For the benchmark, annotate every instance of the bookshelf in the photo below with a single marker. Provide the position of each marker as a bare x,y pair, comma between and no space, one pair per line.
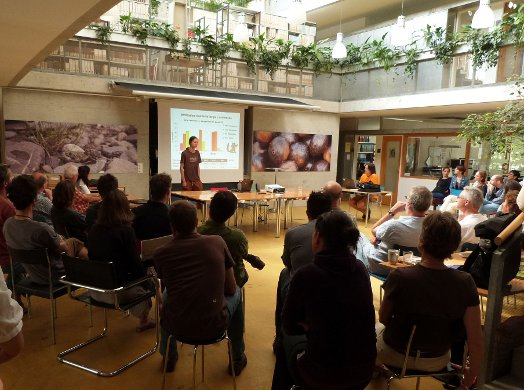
365,152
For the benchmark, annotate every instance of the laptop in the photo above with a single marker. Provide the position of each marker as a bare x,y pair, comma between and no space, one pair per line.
245,185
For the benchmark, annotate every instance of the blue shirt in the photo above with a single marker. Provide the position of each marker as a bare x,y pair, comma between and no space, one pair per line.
457,184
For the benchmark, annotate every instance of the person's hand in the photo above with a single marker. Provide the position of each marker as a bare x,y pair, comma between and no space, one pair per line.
48,193
469,379
183,183
375,241
398,207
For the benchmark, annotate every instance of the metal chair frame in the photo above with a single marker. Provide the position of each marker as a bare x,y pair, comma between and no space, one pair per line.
85,298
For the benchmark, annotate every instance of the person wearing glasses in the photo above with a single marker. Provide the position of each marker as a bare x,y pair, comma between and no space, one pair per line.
468,203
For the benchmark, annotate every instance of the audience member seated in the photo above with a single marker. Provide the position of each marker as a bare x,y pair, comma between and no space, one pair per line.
105,184
509,205
479,181
459,180
222,207
21,232
7,210
297,253
66,221
202,299
80,200
388,232
468,204
330,305
152,219
83,179
11,336
441,190
442,302
520,199
360,202
43,204
512,175
112,239
494,195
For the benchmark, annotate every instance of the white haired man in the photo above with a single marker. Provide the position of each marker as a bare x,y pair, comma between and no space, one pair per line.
80,200
468,203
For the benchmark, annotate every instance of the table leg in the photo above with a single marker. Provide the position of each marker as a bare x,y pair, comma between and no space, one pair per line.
279,208
367,210
236,217
286,211
255,216
204,211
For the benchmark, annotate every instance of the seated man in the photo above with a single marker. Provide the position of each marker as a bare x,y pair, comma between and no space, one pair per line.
441,301
80,201
21,232
105,184
297,253
151,219
388,232
468,204
44,198
494,195
202,298
222,207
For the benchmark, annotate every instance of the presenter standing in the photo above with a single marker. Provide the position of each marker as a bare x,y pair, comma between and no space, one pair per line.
190,167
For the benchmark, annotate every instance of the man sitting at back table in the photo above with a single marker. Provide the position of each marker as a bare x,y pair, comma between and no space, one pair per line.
105,184
21,232
80,200
151,219
405,231
468,204
44,198
494,195
222,207
203,299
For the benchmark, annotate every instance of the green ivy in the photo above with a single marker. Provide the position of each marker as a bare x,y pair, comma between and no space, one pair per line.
103,33
441,42
485,46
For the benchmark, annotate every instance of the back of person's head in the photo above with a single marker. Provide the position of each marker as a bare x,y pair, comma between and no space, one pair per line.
106,183
222,206
474,196
440,236
83,174
159,186
70,171
461,168
63,194
420,198
509,205
337,230
317,203
333,190
40,179
22,191
512,185
183,217
371,167
5,175
114,210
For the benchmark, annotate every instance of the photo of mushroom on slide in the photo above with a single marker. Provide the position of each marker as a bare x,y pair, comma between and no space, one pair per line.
291,151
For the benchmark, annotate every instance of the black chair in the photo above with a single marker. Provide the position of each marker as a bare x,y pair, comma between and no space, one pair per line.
403,249
102,277
196,344
25,286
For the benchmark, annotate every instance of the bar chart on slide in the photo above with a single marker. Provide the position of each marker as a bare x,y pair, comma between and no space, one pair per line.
218,134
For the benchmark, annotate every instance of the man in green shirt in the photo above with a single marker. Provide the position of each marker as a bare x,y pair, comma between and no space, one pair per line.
222,207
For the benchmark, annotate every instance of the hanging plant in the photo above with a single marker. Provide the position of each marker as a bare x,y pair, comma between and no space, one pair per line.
382,54
271,58
485,46
410,54
513,23
301,55
322,61
153,7
442,43
103,33
249,54
167,32
186,48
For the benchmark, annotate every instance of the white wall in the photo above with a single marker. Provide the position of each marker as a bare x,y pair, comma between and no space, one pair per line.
405,184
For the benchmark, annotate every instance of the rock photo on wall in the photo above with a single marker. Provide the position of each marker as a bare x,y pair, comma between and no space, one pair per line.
291,151
50,146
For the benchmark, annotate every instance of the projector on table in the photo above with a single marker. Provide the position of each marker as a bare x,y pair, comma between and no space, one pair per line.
275,188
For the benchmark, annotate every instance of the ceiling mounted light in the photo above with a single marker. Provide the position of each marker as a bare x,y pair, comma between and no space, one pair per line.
484,16
399,34
339,51
241,33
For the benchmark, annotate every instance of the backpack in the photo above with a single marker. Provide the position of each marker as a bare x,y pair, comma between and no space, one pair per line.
368,187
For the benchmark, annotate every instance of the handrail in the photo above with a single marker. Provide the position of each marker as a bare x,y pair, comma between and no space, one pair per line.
506,233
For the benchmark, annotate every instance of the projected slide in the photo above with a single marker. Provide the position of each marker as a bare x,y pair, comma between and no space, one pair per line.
218,132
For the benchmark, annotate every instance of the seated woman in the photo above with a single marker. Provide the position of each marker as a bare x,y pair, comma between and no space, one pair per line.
66,221
441,190
459,180
360,202
479,181
441,301
83,179
509,205
331,302
112,238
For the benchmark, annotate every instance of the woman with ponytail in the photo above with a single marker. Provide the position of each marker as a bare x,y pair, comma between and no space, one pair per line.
330,301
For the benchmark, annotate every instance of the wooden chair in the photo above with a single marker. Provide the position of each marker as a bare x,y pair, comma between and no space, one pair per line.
102,277
150,246
516,286
51,291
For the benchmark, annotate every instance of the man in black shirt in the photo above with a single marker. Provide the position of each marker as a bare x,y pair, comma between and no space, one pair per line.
151,219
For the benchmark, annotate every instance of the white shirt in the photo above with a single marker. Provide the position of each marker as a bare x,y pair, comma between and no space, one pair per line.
82,187
11,318
467,226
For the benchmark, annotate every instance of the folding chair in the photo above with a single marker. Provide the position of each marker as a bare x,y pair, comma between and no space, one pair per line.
51,291
102,277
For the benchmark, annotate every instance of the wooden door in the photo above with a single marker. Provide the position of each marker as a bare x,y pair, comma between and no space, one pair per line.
390,164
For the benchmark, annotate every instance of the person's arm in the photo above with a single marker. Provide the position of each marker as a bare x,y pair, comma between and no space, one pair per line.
11,348
286,254
391,290
386,311
475,344
230,284
397,208
48,194
499,196
520,199
182,174
294,319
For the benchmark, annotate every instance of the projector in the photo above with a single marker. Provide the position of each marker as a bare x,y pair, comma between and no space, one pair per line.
275,188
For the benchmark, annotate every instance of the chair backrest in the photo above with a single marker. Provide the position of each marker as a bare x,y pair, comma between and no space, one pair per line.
403,249
150,246
29,256
98,274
